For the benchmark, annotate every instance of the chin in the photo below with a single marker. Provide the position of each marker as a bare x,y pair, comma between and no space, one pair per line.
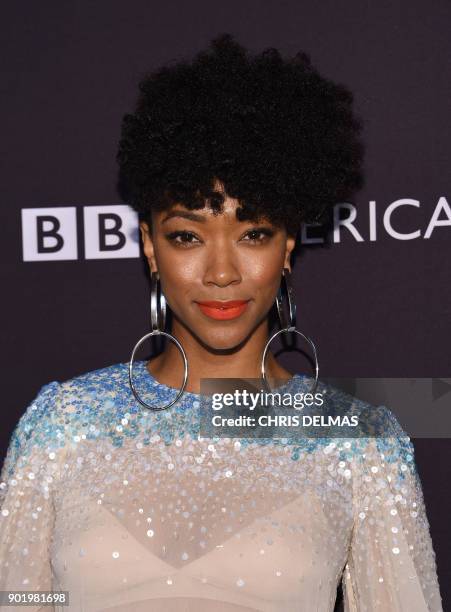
223,339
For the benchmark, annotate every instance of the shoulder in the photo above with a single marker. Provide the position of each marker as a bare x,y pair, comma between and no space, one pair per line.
96,390
378,419
95,384
100,380
58,410
380,434
378,439
388,451
92,403
33,426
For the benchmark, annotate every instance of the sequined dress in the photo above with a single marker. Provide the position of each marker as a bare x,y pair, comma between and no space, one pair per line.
129,509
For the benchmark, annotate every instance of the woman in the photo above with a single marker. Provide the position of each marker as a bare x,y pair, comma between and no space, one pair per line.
108,490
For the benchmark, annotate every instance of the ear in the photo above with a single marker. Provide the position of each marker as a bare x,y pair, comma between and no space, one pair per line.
291,241
148,246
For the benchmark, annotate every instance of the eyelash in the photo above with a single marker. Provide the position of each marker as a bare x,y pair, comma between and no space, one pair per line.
268,233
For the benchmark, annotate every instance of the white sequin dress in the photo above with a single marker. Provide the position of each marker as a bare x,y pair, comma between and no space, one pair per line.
129,509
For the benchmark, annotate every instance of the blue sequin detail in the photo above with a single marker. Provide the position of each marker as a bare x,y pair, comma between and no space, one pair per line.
103,398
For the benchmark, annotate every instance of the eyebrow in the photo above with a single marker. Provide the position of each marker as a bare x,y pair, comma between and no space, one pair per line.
185,215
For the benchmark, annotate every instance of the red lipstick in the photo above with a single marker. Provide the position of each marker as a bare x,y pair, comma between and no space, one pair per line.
217,309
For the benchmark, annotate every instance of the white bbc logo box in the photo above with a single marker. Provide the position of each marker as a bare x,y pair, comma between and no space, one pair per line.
50,234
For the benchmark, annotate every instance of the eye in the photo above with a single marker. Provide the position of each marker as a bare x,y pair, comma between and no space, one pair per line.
186,238
259,234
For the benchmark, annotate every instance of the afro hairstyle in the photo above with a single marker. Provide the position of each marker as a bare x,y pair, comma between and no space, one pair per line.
282,139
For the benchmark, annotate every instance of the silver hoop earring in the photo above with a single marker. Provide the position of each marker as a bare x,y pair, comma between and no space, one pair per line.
288,324
158,320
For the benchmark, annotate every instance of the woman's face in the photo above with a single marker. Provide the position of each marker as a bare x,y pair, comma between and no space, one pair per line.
202,257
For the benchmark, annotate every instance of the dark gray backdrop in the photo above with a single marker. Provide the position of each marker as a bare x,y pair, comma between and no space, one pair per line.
374,308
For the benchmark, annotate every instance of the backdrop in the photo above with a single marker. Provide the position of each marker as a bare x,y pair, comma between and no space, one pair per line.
376,299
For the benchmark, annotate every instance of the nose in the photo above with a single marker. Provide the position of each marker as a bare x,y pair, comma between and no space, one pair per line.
222,267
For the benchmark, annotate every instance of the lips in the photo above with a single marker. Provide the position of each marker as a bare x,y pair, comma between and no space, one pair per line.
222,310
223,304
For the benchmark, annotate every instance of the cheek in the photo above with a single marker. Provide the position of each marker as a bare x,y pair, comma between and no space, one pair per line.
176,280
180,276
264,273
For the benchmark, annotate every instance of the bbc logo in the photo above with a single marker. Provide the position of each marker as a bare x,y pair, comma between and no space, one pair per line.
109,232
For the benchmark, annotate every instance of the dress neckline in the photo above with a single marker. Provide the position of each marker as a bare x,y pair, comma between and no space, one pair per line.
140,371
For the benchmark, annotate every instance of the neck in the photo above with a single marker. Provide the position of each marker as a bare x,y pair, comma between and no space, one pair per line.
243,361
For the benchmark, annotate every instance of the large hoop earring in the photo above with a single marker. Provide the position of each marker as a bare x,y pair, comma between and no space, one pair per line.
158,320
288,324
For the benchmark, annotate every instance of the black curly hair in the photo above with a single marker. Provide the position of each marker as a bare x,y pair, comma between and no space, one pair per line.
283,140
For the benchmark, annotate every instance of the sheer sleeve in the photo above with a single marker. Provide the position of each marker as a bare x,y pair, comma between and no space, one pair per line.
391,562
26,518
